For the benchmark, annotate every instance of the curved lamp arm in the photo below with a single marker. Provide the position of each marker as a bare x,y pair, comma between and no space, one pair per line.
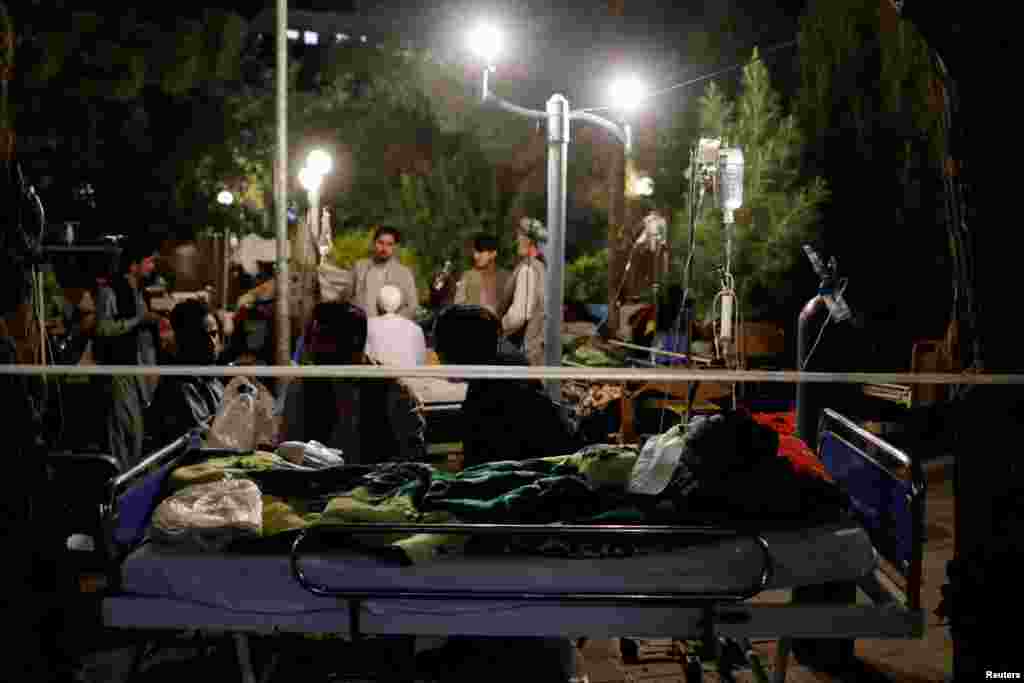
622,133
487,97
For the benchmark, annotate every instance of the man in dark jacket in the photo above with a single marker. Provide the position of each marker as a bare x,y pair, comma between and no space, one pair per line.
503,419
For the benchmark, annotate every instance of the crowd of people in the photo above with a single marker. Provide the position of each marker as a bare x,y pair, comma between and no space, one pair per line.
494,317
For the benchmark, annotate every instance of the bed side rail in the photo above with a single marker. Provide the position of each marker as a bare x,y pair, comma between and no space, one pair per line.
758,583
134,494
887,492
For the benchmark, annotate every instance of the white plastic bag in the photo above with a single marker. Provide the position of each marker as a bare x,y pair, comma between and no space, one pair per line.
209,516
246,417
657,462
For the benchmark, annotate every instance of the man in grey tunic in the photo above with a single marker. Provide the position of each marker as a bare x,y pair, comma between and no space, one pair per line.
522,305
384,268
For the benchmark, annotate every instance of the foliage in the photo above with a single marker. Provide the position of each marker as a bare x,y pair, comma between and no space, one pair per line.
871,105
586,278
858,57
780,209
149,105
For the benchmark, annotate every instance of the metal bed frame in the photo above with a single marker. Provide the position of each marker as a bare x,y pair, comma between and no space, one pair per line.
887,488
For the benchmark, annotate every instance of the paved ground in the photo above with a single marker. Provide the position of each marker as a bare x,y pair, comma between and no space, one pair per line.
895,661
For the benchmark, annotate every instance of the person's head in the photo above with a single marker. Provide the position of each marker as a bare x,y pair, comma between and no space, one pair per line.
485,251
389,299
385,239
138,258
467,335
337,334
530,237
198,337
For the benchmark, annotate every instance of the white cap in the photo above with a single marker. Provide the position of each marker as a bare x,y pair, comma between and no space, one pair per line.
389,299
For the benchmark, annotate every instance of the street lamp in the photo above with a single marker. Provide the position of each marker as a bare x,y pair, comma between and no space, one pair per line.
486,42
311,177
225,199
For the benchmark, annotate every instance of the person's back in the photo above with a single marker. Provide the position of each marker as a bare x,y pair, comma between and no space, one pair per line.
369,420
392,339
503,419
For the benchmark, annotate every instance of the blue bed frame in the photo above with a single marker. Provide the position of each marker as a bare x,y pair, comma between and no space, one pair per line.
885,485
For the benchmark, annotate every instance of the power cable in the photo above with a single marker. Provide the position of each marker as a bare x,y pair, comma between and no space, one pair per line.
713,74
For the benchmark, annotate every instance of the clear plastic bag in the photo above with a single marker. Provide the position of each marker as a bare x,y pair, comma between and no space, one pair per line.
246,418
209,516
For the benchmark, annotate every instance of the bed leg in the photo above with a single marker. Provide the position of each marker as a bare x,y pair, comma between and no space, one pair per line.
693,669
137,658
353,620
244,657
271,668
782,660
756,668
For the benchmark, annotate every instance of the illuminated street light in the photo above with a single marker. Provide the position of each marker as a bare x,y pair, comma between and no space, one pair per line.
225,199
642,186
319,162
628,94
486,42
310,179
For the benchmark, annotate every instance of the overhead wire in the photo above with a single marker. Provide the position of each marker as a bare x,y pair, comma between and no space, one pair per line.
718,72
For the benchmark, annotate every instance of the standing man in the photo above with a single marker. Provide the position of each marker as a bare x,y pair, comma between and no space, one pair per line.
370,274
522,306
126,333
485,284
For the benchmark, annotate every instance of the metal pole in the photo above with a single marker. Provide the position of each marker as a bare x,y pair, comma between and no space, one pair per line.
283,325
558,170
226,273
309,267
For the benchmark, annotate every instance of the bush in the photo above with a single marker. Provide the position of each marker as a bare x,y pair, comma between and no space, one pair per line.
586,278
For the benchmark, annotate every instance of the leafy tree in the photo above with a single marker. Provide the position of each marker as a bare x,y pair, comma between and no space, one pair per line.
871,106
780,209
148,100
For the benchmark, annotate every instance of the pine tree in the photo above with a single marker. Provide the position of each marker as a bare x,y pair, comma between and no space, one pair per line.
780,210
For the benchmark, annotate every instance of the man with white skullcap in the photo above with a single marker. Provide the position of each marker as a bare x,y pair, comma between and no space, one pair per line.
393,339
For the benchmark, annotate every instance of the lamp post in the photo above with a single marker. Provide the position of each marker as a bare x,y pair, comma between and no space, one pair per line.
225,199
311,177
486,42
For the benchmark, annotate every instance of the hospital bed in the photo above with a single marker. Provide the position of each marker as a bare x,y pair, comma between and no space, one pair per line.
732,582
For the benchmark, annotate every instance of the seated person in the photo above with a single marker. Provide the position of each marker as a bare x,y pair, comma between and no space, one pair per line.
393,339
369,420
503,419
183,403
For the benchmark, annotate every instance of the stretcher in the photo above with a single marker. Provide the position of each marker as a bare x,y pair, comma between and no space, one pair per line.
734,582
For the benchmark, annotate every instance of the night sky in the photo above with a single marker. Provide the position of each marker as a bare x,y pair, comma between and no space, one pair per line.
575,47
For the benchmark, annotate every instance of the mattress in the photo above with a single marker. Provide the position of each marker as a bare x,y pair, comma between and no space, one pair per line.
263,584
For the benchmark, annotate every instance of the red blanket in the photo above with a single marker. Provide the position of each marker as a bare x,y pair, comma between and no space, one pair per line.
803,459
